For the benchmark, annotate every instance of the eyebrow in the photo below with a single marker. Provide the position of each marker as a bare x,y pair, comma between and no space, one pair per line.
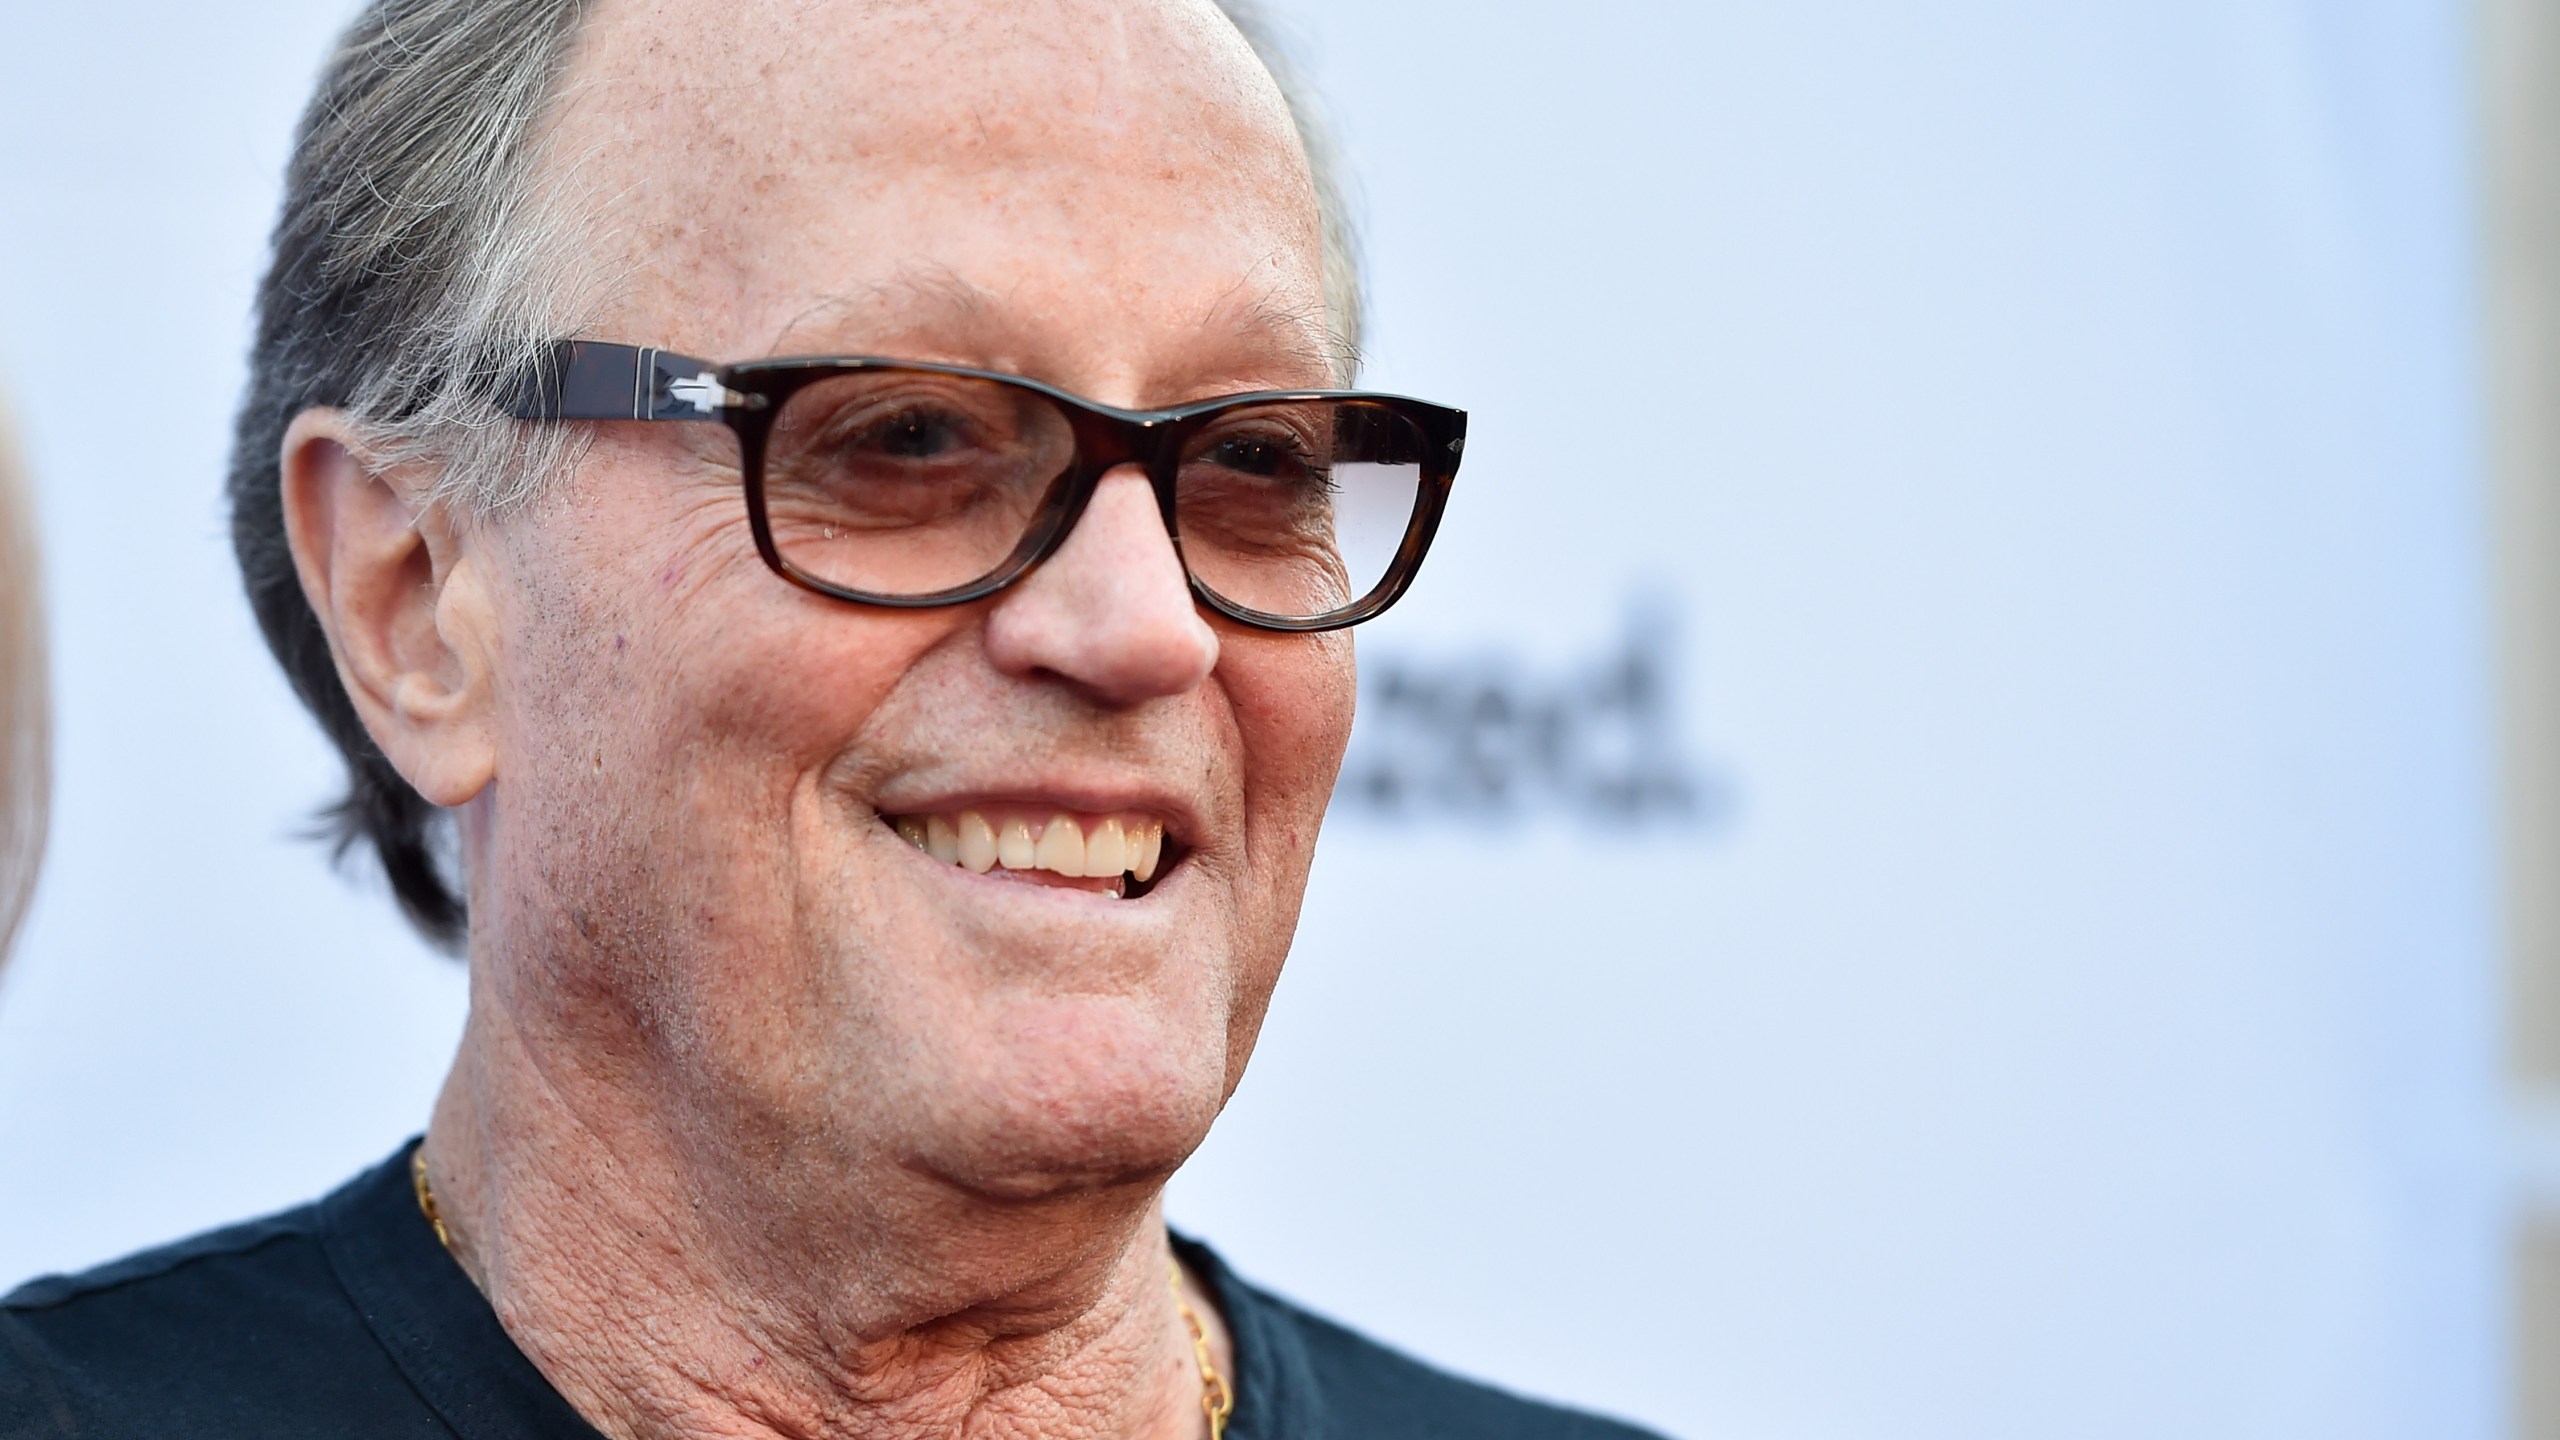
967,323
1293,330
925,295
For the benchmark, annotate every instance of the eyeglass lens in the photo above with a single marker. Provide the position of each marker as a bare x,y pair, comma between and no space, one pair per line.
906,483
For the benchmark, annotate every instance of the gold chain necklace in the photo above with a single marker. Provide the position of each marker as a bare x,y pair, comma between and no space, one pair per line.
1217,1401
427,1197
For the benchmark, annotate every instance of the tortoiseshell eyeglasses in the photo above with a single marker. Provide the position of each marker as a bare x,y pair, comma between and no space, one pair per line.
900,483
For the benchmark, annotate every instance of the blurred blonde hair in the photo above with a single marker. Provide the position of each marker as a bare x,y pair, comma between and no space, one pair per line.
26,726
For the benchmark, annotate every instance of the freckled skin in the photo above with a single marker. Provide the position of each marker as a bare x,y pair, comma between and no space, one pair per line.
764,1123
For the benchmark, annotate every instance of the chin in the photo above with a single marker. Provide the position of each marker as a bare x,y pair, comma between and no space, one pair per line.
1034,1163
1076,1108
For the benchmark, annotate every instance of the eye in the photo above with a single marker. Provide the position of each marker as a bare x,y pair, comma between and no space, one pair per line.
1265,455
1253,456
912,434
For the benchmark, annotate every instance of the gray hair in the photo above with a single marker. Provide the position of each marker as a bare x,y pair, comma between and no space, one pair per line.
414,273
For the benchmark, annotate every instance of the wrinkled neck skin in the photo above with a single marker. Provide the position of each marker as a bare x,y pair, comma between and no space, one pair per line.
666,1302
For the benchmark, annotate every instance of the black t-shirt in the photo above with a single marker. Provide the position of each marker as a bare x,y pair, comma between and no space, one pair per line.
346,1318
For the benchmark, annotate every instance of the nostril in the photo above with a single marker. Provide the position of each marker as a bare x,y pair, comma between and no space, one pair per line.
1111,613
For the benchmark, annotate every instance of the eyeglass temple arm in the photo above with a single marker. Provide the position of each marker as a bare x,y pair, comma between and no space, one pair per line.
594,380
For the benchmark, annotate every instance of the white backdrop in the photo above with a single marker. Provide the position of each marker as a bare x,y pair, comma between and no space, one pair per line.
2036,444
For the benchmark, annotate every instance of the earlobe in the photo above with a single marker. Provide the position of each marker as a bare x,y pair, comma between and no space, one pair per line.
397,591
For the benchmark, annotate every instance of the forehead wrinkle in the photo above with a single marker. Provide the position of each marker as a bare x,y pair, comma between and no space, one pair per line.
927,291
982,77
975,161
960,320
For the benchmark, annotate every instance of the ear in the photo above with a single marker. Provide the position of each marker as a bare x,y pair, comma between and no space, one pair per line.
407,614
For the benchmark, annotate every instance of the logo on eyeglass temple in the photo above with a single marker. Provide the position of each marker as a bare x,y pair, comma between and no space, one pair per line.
703,392
1599,738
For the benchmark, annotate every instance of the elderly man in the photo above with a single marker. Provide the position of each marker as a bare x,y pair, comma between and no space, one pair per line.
846,513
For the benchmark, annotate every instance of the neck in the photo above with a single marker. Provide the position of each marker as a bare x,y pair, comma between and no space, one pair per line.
666,1296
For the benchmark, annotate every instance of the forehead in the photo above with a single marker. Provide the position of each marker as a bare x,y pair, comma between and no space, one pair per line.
1109,192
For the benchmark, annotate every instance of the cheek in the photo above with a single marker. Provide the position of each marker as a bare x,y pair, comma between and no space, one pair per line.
648,622
1293,697
668,703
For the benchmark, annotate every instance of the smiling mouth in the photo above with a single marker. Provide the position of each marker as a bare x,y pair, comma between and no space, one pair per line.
1119,855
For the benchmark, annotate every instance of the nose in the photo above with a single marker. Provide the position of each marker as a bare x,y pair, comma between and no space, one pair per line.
1110,612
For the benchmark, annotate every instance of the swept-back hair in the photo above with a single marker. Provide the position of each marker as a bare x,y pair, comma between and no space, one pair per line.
414,266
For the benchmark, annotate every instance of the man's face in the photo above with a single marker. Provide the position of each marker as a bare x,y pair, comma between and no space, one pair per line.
689,859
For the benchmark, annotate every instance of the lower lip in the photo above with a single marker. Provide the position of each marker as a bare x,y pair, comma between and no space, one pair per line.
1045,879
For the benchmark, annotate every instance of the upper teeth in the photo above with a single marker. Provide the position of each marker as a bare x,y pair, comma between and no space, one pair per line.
1063,845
